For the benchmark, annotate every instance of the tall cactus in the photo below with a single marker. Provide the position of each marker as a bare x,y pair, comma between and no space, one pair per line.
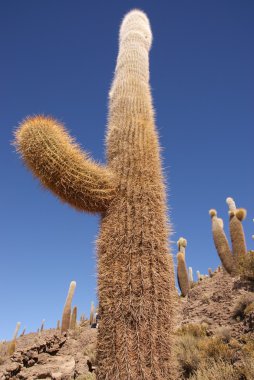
66,318
135,271
182,273
221,242
236,216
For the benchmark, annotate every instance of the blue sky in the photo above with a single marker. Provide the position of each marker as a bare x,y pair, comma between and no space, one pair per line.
58,58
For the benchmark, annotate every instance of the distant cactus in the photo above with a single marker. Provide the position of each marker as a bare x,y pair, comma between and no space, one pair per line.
198,275
73,323
23,332
230,260
210,272
182,274
42,325
58,325
221,242
236,216
92,313
67,308
190,275
135,274
12,344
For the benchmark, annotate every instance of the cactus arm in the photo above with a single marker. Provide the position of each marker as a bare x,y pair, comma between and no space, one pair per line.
52,155
221,242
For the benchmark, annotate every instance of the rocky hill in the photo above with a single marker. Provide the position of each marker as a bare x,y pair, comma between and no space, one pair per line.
220,308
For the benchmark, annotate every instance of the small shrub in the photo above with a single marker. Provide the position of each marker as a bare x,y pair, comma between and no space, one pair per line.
214,349
215,370
242,303
88,376
249,308
246,369
90,351
193,329
188,354
223,333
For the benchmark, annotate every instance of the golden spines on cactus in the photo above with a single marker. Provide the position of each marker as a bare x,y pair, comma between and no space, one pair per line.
62,167
67,308
136,289
182,274
221,242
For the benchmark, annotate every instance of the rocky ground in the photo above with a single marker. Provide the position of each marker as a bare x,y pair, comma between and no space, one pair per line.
213,301
50,355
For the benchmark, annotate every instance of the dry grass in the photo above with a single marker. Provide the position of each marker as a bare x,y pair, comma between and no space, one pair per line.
193,329
215,370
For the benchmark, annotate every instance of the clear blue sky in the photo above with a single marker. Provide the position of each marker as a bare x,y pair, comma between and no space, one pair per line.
58,58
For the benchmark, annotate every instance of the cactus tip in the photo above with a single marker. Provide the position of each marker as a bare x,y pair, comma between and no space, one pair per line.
212,212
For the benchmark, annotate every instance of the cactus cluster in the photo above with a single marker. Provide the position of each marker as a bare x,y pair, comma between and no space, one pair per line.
230,259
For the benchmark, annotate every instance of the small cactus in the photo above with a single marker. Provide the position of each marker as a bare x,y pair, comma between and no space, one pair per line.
199,275
92,313
42,325
73,323
58,324
23,332
190,275
12,344
67,308
210,272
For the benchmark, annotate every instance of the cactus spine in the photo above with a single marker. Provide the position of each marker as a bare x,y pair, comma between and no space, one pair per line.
135,272
12,344
73,323
67,308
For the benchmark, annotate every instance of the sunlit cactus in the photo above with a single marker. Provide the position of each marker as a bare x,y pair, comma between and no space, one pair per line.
236,216
136,289
221,242
92,313
182,273
67,308
58,325
198,275
190,274
12,344
73,323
